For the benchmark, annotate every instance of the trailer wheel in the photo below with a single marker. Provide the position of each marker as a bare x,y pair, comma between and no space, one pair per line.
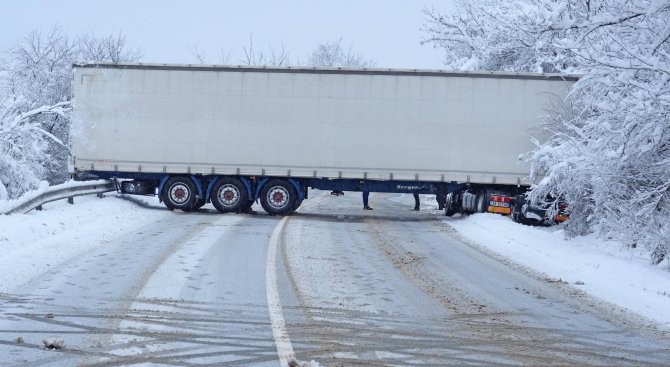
482,201
229,195
449,205
179,193
515,213
278,197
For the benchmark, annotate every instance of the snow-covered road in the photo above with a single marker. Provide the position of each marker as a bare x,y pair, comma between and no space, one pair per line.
331,283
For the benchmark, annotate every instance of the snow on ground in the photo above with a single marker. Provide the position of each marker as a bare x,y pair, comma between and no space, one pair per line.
605,269
33,243
608,270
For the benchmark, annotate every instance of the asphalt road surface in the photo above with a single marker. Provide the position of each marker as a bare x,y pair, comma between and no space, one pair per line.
331,283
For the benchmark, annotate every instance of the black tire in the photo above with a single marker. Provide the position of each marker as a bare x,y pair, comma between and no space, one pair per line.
179,193
515,213
229,194
449,206
278,197
482,201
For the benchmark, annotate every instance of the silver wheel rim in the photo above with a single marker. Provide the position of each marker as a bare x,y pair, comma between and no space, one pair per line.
228,195
277,197
179,193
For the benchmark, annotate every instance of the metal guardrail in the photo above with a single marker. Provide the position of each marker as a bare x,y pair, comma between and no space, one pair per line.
61,193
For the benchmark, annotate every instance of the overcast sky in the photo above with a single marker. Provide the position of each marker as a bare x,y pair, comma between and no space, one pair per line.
166,31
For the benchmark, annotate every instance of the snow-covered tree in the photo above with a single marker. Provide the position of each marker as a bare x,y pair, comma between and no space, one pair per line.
38,72
334,54
493,35
608,146
24,144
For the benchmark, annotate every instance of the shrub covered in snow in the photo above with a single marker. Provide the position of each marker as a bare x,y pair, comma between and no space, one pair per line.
23,146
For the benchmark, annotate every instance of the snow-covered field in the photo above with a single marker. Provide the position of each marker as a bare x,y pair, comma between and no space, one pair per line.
31,244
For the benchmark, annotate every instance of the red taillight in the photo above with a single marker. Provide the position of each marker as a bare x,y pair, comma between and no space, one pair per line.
501,198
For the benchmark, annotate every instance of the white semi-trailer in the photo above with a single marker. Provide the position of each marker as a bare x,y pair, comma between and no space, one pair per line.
234,135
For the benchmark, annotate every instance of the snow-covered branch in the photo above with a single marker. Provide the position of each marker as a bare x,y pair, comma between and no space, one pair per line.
23,144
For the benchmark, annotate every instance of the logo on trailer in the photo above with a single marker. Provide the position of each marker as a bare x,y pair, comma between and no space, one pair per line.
409,187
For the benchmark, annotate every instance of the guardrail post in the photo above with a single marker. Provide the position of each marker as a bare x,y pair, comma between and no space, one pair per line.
70,200
100,195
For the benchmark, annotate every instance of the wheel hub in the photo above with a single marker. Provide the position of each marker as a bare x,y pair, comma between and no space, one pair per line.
278,197
179,193
229,195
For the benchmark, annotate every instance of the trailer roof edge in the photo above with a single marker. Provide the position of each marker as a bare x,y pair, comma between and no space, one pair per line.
313,70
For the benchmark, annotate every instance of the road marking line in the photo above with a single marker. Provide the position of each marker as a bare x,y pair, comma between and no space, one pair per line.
282,341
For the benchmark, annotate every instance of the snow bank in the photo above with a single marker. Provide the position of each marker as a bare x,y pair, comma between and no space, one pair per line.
604,269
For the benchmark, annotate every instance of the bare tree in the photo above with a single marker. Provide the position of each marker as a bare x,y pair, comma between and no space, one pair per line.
250,55
270,56
113,47
199,54
334,54
223,55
